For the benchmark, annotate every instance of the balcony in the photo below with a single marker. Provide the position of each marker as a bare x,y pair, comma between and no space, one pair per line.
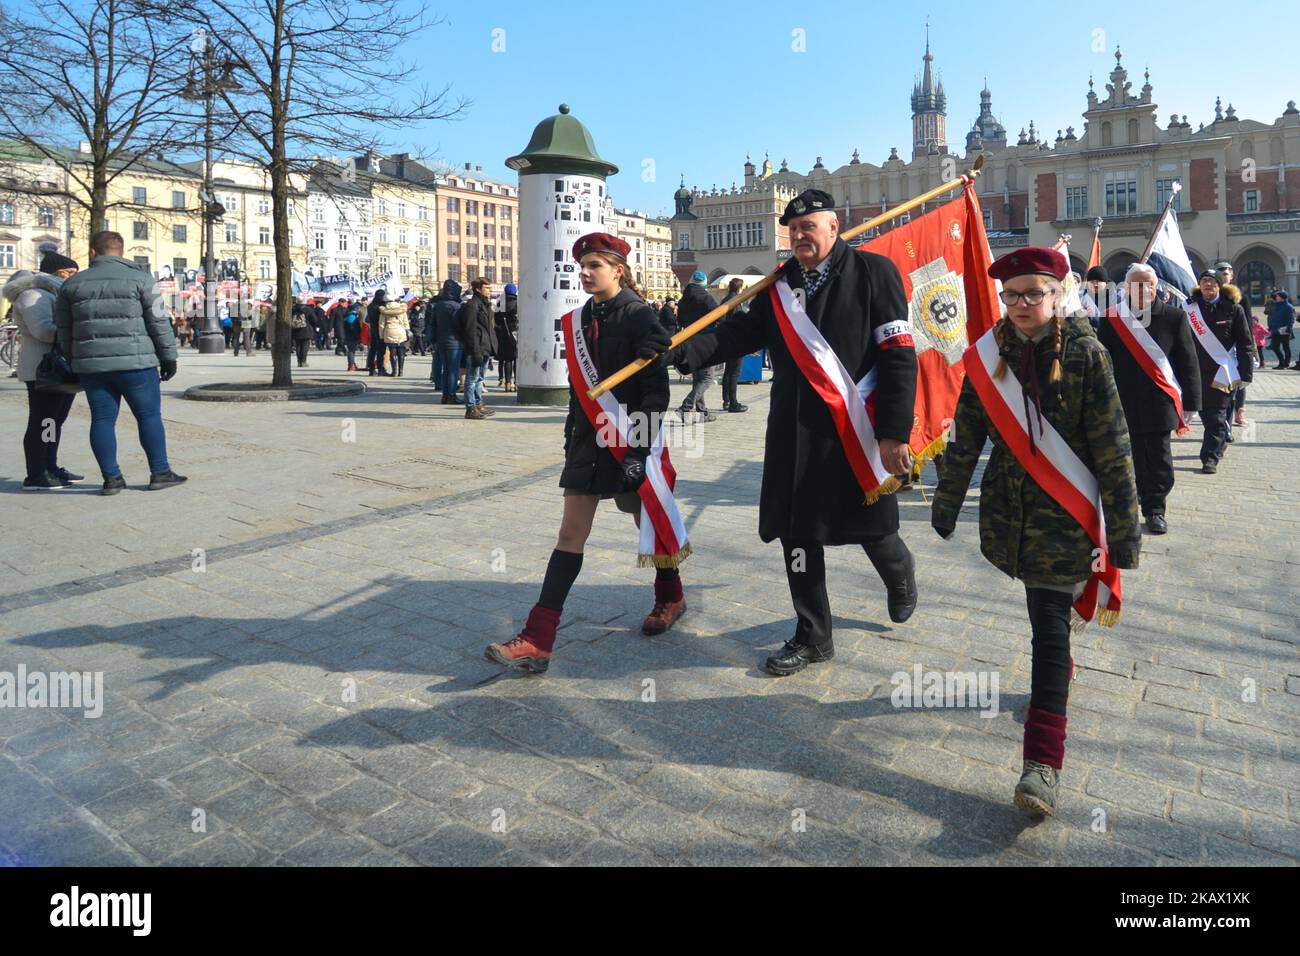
1142,224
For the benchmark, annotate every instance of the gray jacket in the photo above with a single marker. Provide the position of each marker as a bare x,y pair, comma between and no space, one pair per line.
32,295
111,318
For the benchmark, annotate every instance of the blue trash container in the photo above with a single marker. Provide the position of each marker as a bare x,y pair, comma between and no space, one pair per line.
751,369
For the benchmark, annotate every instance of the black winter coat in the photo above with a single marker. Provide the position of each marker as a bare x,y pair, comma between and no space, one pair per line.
623,322
476,325
696,303
1146,408
1227,321
507,326
809,491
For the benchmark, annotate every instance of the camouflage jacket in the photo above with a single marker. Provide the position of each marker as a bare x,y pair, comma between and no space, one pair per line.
1023,531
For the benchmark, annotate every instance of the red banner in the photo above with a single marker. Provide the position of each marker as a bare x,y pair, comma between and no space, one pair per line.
944,259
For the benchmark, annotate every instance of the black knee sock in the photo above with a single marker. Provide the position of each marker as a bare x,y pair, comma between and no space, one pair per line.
561,571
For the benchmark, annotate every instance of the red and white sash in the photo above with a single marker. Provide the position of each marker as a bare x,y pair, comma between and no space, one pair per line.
1225,378
663,541
1149,356
852,404
1054,466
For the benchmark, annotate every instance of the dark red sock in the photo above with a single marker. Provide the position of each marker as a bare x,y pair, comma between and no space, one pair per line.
1045,737
541,625
668,588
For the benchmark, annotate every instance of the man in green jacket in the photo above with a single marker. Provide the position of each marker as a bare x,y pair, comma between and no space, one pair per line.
113,327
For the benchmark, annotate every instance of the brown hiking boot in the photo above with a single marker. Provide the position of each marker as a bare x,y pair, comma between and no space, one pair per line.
520,654
664,615
475,412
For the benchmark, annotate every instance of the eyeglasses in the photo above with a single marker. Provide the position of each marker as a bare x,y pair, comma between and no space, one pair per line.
1030,297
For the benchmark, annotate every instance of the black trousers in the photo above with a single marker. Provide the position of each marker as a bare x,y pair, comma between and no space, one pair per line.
1049,617
301,345
46,413
805,570
1215,440
1281,346
730,377
1153,466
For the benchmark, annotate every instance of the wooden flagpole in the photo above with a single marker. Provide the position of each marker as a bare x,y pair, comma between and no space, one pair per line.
702,323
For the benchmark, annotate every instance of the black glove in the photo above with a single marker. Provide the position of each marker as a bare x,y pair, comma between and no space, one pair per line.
676,357
633,471
656,342
941,530
167,369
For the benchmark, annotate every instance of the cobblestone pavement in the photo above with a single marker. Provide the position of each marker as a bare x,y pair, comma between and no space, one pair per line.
291,649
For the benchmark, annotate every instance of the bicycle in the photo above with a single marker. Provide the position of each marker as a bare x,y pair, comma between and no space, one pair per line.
10,340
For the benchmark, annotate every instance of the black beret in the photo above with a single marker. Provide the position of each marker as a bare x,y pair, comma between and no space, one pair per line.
810,200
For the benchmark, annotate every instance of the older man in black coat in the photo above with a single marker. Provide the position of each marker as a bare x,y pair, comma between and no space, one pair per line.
810,497
1150,412
1220,308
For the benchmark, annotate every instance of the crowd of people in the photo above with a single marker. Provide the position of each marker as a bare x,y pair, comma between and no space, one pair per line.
1078,403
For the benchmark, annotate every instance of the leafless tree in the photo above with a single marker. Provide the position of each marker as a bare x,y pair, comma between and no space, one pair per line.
86,71
293,99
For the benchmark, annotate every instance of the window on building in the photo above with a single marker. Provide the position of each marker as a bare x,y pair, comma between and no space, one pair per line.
1252,200
453,272
318,241
179,233
1121,192
453,227
401,237
318,215
142,262
45,216
383,263
363,243
683,240
403,266
343,242
263,206
231,202
988,220
422,238
471,207
6,214
422,213
489,231
489,209
1165,188
381,207
473,273
507,275
264,235
505,253
453,204
139,230
471,227
264,268
290,207
489,252
505,213
401,210
383,235
8,252
490,273
139,195
1076,202
505,232
232,232
178,199
453,250
425,268
178,267
471,250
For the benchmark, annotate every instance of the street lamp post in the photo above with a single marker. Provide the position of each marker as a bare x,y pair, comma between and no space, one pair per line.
205,86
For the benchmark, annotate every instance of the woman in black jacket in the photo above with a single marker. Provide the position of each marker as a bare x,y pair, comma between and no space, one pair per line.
619,327
375,355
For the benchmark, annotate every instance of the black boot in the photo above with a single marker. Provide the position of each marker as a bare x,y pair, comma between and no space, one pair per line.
897,569
794,657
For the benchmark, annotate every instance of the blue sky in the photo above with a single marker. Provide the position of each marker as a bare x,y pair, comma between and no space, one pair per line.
694,86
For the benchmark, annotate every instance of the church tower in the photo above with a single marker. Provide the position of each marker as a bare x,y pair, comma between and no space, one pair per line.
929,106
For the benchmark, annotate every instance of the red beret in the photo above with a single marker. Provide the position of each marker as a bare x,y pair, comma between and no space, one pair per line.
1031,260
600,242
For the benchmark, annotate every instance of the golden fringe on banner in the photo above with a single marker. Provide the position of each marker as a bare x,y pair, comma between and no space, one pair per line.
663,560
927,454
1106,617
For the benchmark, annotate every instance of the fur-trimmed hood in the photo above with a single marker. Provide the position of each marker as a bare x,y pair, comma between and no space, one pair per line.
1229,291
25,279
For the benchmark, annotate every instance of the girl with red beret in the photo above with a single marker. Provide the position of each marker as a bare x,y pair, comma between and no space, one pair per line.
1058,502
613,448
